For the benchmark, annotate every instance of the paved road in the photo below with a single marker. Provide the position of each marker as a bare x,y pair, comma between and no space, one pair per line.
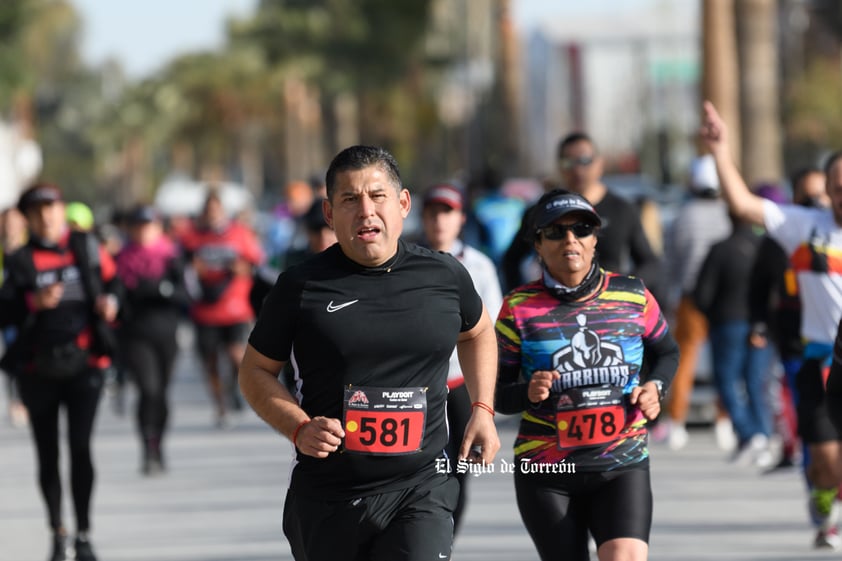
222,497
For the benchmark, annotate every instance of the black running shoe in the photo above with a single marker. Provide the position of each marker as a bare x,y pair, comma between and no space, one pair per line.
84,550
59,548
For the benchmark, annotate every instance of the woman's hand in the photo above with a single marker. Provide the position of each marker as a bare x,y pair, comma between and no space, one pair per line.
540,385
648,400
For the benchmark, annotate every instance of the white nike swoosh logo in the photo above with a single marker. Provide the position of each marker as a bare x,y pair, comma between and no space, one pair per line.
331,308
442,556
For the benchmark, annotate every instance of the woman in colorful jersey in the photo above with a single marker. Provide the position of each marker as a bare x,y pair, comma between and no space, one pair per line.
571,346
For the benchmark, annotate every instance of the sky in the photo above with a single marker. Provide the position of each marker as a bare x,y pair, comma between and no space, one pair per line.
145,34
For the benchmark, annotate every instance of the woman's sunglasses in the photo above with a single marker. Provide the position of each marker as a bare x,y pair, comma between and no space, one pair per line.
559,231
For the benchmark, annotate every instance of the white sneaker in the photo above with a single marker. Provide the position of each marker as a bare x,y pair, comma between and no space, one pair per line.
759,442
827,539
749,453
726,440
678,436
771,455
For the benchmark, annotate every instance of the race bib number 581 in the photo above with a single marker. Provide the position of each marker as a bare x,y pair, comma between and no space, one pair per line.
384,421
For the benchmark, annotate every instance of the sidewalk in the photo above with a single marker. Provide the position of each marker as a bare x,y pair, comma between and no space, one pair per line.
223,496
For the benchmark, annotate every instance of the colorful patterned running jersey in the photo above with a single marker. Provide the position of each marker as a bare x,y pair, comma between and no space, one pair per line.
813,242
596,344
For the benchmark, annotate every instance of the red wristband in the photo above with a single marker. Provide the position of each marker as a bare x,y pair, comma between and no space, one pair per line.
484,406
298,428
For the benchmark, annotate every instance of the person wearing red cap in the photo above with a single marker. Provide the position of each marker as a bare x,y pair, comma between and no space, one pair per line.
60,290
442,217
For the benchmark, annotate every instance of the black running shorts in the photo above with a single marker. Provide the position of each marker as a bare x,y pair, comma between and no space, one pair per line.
814,422
413,524
559,510
211,338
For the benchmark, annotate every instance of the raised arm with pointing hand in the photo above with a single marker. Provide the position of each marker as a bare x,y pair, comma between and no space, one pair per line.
742,202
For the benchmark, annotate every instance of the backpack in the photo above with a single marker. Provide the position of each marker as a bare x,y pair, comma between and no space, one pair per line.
85,249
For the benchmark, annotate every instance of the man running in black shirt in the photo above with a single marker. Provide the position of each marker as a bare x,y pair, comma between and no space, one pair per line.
368,326
622,243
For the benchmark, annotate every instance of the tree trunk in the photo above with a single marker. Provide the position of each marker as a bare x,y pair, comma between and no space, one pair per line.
509,80
758,55
720,80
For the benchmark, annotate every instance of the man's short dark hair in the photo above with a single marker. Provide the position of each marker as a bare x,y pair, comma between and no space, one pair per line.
831,161
360,157
572,138
801,173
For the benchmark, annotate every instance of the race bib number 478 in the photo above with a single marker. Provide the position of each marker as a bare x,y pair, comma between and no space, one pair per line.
384,421
589,416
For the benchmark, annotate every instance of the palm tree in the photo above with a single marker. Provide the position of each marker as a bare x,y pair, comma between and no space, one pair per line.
720,83
757,45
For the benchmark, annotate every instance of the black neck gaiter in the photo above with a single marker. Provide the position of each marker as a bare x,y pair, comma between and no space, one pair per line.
571,294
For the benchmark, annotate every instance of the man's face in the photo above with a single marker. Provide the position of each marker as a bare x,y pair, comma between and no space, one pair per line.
214,214
442,225
146,233
579,166
367,214
47,221
812,188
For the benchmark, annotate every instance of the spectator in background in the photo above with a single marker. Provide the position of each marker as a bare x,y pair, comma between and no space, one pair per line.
286,232
652,223
223,254
442,217
623,245
152,270
701,221
498,210
320,236
79,216
13,235
740,365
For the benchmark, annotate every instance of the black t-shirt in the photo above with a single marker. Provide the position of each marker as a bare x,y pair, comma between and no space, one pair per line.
722,287
394,326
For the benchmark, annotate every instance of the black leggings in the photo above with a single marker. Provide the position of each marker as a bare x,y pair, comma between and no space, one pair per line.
558,510
150,359
43,399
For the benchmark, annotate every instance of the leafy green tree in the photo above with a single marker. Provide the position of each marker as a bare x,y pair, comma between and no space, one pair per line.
813,112
13,19
370,49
